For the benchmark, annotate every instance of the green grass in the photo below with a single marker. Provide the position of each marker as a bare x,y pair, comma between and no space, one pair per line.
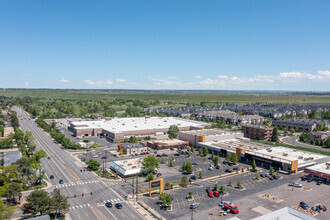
327,153
176,96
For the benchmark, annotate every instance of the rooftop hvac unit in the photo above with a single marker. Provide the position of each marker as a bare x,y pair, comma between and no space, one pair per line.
300,157
328,167
285,154
123,124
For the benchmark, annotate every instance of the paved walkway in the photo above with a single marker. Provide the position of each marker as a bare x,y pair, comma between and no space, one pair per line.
143,209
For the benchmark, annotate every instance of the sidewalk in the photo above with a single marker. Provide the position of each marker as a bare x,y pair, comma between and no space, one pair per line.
143,209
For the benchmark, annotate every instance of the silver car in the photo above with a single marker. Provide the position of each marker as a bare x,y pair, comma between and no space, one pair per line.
194,205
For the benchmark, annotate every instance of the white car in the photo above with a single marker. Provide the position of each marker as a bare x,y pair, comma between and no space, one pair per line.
298,185
210,168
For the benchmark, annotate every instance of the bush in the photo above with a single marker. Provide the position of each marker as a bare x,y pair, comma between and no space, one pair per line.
184,181
150,177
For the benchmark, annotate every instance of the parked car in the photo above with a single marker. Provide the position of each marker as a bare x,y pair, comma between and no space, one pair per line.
228,170
165,155
303,178
216,193
194,163
61,181
262,175
275,177
303,205
223,203
319,182
95,156
108,204
298,185
210,168
231,207
217,167
322,207
210,194
119,205
310,179
51,177
158,155
224,162
270,178
236,168
193,177
194,205
159,174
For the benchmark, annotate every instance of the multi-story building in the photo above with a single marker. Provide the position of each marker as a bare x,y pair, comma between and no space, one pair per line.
257,132
132,148
300,123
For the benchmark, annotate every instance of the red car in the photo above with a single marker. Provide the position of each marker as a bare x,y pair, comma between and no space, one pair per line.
210,194
231,207
216,193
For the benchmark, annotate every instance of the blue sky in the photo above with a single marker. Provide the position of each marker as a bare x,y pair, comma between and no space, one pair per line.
169,44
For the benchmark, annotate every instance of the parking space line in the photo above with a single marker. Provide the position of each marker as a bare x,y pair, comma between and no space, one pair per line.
178,203
184,205
203,197
199,199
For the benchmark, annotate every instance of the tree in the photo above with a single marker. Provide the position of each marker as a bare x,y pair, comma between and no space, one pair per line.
190,194
59,203
187,167
216,160
254,166
275,135
5,212
150,177
150,163
27,137
215,187
162,161
228,157
173,131
38,201
167,186
93,164
233,158
133,139
200,174
257,176
200,151
212,154
222,189
13,190
184,181
192,149
166,199
271,171
230,182
327,142
239,184
171,163
205,151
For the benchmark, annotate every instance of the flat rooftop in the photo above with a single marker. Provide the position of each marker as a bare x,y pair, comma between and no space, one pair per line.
322,168
169,142
267,151
286,213
120,125
210,132
129,164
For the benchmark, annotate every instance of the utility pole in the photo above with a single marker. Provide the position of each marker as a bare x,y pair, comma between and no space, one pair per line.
137,186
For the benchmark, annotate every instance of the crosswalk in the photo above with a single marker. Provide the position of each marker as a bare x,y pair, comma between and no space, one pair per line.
109,200
80,206
76,183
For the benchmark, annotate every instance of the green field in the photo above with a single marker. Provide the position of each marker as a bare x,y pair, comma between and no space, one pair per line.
176,96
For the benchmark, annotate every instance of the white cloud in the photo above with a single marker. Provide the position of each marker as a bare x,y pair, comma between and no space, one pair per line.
172,77
198,77
99,83
298,76
324,73
223,77
120,80
64,81
26,83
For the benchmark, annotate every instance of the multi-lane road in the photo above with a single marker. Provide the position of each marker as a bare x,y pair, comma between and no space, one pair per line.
87,193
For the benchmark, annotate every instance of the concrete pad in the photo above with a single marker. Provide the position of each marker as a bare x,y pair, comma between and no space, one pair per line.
261,210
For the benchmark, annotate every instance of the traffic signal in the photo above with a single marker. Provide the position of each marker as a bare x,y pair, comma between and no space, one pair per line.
91,193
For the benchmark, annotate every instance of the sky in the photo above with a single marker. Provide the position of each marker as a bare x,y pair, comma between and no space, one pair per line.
166,44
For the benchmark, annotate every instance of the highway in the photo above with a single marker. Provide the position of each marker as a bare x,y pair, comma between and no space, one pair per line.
63,166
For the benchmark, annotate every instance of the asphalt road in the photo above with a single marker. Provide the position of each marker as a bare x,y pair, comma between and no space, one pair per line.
63,166
294,141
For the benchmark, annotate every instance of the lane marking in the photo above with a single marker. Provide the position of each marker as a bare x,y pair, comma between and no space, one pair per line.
101,214
95,214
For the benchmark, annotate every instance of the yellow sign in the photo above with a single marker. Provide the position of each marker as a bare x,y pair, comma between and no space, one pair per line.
156,183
